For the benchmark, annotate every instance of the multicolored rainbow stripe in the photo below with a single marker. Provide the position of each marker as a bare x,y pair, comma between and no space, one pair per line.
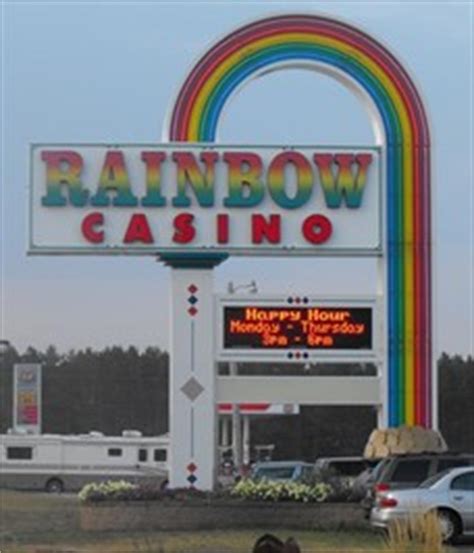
257,47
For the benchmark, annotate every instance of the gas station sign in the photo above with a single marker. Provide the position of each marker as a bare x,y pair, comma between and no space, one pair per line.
27,397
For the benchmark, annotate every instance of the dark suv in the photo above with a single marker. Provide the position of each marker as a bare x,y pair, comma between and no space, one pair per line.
408,471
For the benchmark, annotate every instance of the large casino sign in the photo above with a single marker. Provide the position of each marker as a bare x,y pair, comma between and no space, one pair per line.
198,197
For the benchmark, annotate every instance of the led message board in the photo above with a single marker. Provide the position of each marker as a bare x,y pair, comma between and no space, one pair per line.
345,328
298,329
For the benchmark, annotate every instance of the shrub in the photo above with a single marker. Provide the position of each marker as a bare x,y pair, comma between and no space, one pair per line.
341,487
126,491
112,489
246,489
267,490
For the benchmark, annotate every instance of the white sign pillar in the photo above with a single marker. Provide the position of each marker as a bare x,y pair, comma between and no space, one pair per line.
193,410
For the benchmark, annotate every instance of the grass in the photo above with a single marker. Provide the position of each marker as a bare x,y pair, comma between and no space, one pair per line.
201,542
26,501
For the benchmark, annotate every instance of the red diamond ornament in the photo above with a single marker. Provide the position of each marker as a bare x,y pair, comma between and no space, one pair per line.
192,288
191,467
192,311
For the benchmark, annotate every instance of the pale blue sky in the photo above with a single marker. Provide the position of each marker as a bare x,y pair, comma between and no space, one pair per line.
107,72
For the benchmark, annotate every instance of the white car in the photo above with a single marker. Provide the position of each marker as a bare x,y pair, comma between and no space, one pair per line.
450,494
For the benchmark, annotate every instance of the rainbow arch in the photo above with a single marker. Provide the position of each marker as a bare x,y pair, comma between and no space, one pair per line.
261,45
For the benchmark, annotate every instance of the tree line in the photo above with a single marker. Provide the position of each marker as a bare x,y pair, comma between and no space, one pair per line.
115,389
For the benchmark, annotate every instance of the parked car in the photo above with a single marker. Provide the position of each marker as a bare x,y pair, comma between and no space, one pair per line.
363,481
345,473
347,468
450,494
283,471
409,471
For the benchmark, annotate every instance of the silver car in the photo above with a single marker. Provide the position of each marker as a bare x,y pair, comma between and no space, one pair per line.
450,494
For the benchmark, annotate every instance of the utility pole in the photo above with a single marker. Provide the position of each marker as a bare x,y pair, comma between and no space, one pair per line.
237,445
246,440
236,426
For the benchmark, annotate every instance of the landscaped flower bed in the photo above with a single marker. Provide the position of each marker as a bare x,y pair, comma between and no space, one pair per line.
121,506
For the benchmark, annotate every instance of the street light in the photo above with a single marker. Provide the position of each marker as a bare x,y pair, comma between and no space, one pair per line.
251,287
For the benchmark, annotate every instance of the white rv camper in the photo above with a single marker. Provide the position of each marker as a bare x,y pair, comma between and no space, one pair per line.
57,463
